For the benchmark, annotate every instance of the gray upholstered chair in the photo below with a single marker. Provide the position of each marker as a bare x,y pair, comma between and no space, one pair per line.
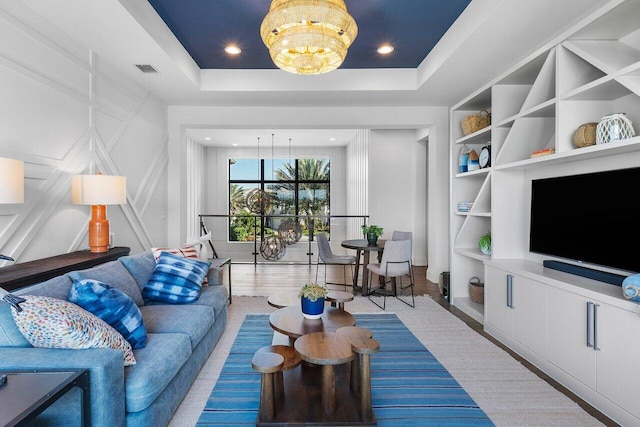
395,263
405,235
327,257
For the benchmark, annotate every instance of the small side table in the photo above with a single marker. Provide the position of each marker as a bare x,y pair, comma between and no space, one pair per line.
28,393
339,298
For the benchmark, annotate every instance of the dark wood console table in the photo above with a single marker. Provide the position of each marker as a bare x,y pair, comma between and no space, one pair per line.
32,272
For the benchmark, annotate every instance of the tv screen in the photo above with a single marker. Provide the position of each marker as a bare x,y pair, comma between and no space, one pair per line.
592,218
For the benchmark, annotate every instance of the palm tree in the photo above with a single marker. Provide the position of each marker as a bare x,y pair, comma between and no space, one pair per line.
236,198
308,170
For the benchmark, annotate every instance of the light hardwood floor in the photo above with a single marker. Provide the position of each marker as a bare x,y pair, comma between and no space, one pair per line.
266,279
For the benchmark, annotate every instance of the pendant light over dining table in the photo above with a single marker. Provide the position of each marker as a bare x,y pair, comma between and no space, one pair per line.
308,36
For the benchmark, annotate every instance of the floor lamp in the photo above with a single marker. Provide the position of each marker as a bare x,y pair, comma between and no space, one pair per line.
98,191
11,185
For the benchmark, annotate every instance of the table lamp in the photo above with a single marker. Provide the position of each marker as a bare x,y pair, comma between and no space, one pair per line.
11,185
98,191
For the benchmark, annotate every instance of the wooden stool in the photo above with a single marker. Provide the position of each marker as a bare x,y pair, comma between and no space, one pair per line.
291,360
352,332
326,349
267,363
365,347
339,298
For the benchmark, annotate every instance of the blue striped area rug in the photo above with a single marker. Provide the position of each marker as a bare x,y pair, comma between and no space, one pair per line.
409,386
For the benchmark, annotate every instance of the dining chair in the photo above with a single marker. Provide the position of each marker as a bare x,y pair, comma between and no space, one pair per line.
327,257
405,235
395,263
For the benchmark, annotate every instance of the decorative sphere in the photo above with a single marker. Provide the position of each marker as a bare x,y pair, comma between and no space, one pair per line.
258,201
290,231
273,248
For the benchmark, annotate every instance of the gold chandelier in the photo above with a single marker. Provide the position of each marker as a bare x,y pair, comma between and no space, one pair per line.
308,36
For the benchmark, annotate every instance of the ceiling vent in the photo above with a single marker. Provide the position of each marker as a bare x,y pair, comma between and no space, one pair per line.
146,68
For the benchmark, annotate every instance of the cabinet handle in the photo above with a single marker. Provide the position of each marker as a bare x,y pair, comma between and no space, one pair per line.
510,291
595,327
589,324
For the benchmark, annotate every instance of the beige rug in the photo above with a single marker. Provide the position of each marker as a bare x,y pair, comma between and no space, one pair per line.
507,392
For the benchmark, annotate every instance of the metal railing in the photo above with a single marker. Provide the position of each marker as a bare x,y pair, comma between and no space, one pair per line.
310,221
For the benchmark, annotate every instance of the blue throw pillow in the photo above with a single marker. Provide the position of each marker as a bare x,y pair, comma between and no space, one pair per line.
176,279
113,306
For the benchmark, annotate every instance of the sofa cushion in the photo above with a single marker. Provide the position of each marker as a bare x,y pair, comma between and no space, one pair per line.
115,274
58,287
176,279
10,335
113,306
54,323
215,297
158,363
140,266
187,251
192,320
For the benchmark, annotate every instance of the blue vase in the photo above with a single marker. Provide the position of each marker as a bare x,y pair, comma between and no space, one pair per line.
312,309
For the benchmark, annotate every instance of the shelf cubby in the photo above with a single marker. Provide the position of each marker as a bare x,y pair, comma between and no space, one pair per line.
528,134
544,87
575,71
610,56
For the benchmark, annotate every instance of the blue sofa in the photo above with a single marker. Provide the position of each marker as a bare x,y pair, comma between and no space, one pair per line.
180,340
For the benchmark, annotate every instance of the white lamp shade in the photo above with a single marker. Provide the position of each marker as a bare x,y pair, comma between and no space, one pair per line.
11,181
98,190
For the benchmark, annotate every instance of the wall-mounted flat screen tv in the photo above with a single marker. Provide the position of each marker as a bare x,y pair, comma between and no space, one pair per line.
592,218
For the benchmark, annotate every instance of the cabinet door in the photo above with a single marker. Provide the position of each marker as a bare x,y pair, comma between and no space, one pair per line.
618,373
530,314
497,313
567,336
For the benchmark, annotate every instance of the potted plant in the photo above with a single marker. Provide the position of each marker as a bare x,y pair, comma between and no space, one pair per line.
372,232
312,300
485,243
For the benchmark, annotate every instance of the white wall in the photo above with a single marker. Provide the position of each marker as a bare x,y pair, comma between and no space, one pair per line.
396,194
65,112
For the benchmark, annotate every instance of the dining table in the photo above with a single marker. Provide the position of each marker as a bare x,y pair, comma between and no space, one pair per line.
362,247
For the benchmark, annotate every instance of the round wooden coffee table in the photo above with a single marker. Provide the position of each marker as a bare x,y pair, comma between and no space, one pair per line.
326,349
290,321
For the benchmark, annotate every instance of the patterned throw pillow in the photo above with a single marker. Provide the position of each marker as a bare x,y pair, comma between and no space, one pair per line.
188,251
54,323
113,306
176,279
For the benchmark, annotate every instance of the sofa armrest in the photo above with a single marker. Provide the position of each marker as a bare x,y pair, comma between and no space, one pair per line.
106,375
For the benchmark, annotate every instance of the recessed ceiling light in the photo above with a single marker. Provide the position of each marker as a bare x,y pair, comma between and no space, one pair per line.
235,145
232,50
385,49
332,139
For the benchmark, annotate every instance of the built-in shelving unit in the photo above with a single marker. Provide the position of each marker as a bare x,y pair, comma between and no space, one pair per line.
538,105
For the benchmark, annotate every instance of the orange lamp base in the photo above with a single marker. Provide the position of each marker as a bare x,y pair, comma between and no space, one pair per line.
98,229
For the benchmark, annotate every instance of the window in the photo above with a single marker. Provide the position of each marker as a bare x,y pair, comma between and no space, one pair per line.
297,187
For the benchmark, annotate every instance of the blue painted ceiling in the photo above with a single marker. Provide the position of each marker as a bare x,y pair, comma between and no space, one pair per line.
205,27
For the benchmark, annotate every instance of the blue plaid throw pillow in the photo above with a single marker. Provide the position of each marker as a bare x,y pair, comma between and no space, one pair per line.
176,279
113,306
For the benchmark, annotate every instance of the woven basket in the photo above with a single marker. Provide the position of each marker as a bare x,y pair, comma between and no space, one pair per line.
474,122
585,135
476,290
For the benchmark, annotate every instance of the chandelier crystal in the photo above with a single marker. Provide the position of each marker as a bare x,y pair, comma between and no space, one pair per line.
308,36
